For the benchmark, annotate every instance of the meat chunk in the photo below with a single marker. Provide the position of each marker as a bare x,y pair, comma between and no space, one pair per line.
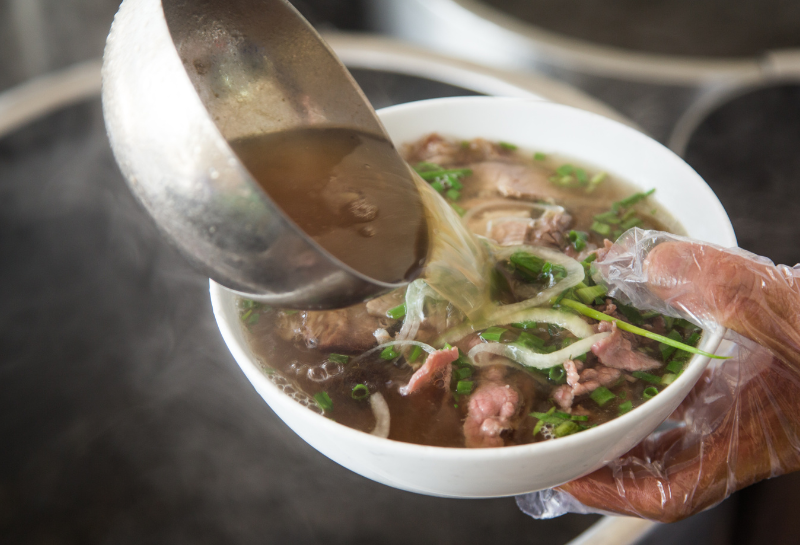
583,382
515,181
510,232
491,408
616,351
442,151
550,229
379,306
435,369
347,331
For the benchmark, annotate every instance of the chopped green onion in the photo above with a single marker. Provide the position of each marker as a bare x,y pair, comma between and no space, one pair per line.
416,352
538,427
589,259
426,166
324,401
339,358
650,392
625,407
389,353
588,295
565,170
666,350
526,340
397,312
601,228
607,217
597,315
633,222
507,146
527,324
557,374
454,183
578,239
253,319
675,366
459,210
579,417
567,428
493,334
668,378
596,180
538,156
463,373
429,175
246,315
583,178
647,377
453,194
633,199
527,263
360,391
602,395
464,387
437,185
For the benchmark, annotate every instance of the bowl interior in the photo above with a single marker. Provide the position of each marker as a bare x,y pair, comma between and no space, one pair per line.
536,126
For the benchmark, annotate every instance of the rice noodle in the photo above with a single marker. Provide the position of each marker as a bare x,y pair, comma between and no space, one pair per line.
381,411
426,347
529,358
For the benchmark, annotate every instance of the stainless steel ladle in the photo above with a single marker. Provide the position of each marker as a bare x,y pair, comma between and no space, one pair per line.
182,79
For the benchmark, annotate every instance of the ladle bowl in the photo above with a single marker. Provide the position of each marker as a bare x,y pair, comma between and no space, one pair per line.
182,79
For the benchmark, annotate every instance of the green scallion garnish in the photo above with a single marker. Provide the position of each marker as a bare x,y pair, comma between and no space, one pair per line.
464,387
397,312
359,392
538,156
666,350
463,373
453,194
597,315
339,358
675,366
493,334
624,407
389,353
630,201
507,146
650,392
601,228
578,239
588,295
602,395
324,401
567,428
647,377
416,352
557,374
527,324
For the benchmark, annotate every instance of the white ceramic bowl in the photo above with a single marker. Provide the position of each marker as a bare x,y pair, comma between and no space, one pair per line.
550,128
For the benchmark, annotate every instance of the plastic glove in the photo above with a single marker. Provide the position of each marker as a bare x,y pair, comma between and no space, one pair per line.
741,422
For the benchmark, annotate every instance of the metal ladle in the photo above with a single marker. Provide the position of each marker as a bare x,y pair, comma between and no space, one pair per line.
182,79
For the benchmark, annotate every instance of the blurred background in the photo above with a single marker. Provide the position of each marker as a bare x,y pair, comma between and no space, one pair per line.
123,419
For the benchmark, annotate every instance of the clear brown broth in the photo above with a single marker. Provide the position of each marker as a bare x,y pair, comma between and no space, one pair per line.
346,189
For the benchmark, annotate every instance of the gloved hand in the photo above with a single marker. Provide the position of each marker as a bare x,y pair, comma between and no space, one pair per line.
741,422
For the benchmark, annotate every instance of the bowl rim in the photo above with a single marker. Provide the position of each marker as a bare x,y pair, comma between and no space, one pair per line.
249,364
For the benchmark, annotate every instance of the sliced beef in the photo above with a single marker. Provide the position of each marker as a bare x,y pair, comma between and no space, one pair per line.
435,370
346,331
616,351
442,151
511,232
583,381
550,229
491,407
514,181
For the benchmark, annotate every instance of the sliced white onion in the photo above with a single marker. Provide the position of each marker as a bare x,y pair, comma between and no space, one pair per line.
381,411
571,322
416,293
575,275
426,347
529,358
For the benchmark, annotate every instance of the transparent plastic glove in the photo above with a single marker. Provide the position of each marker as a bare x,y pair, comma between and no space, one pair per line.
741,422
